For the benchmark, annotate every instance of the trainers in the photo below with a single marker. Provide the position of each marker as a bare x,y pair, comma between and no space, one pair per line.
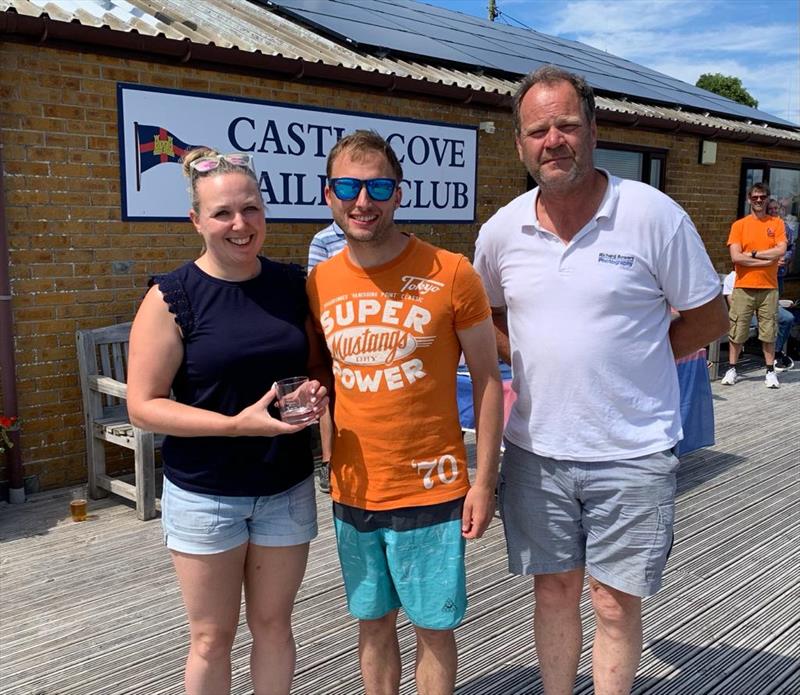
771,380
324,477
730,378
783,362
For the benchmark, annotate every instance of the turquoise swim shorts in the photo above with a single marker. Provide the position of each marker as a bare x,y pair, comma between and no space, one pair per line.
411,558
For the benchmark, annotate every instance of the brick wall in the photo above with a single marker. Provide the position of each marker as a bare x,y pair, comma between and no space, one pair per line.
75,264
709,193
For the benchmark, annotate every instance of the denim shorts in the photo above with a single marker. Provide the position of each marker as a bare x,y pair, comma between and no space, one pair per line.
419,569
613,517
201,524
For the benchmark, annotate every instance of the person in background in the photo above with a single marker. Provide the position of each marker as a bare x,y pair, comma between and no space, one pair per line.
238,505
327,242
757,243
396,313
785,322
775,209
587,484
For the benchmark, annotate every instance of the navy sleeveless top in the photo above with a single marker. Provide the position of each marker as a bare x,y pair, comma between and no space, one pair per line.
238,339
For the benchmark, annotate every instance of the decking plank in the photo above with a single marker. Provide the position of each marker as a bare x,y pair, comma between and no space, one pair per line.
94,609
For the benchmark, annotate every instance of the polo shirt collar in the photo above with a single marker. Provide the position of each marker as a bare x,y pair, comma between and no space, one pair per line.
605,210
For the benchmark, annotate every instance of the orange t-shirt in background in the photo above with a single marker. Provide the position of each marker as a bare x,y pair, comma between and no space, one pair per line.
391,331
753,234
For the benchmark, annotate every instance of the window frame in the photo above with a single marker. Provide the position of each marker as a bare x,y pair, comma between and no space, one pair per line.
766,165
754,163
648,155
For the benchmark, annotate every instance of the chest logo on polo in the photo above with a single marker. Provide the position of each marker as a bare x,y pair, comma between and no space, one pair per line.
615,259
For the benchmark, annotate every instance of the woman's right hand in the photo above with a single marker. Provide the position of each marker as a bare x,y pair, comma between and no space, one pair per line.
256,421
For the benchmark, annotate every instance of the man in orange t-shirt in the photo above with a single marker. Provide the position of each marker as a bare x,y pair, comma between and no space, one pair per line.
756,243
396,313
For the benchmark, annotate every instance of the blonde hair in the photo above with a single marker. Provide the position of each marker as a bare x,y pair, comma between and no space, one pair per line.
224,167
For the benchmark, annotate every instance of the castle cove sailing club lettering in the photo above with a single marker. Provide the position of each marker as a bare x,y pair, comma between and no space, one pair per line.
298,188
290,145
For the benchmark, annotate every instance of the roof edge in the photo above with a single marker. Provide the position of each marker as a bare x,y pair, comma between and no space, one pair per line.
43,30
667,125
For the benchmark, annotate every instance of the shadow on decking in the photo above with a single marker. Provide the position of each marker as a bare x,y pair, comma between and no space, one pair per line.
693,670
703,465
696,667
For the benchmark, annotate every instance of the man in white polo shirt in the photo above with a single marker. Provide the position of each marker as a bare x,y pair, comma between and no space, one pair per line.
581,273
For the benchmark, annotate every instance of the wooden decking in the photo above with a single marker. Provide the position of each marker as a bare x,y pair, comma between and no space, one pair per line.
93,608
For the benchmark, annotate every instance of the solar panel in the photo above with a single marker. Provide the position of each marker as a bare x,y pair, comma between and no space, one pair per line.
428,33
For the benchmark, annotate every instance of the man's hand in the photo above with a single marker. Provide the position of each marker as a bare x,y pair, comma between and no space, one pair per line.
478,345
478,511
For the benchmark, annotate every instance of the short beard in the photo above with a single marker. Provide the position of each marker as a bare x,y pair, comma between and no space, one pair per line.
561,185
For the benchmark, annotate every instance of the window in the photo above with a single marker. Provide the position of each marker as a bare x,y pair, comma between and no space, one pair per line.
784,185
629,162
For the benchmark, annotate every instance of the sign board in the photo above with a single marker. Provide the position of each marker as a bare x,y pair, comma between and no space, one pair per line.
289,145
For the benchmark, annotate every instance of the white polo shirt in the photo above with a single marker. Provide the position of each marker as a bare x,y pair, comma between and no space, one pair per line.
593,368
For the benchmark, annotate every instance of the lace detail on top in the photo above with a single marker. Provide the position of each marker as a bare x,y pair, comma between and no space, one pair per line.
177,301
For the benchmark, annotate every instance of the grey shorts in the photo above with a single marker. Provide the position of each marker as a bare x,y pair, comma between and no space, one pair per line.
613,517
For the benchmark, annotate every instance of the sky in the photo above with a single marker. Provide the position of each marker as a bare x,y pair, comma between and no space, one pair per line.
757,41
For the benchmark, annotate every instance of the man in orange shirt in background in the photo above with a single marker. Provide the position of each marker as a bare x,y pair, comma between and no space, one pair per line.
396,313
756,243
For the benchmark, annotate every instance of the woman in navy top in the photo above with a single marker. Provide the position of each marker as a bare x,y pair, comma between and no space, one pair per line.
238,506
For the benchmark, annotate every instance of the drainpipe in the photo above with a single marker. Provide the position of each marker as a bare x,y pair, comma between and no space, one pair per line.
8,368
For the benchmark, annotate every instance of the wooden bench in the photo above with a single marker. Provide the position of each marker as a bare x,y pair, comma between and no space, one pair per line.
103,365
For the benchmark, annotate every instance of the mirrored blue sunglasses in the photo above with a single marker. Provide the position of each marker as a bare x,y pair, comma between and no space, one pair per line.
346,188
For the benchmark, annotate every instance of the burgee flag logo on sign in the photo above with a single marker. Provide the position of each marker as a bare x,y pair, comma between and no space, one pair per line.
156,145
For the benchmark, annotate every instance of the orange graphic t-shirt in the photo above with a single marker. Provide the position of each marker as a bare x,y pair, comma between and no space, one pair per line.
391,331
753,234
